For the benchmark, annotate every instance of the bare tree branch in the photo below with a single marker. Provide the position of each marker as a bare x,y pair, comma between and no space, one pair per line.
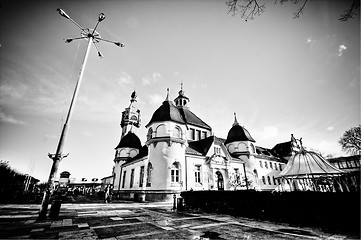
300,10
351,12
248,9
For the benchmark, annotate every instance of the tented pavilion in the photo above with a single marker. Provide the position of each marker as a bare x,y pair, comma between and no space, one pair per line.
308,171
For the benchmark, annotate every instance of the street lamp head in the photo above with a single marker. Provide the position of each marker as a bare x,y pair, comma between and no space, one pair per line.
101,17
62,13
119,44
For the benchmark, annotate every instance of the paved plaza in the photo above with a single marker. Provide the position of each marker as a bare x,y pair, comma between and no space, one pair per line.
141,221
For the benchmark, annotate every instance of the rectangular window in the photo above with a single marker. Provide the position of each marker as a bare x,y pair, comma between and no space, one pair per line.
204,135
270,165
141,176
197,173
276,166
280,167
174,175
132,178
199,135
193,134
123,183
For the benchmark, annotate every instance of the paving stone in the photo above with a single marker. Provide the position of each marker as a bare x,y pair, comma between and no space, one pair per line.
83,225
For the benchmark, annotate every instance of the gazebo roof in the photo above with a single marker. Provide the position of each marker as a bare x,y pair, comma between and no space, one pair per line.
306,164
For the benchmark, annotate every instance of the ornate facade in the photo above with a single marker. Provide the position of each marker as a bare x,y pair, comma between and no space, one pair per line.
182,154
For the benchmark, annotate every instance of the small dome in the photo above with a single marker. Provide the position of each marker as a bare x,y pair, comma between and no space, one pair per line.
130,140
238,133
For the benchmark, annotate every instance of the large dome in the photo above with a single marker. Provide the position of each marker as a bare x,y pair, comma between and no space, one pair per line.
166,112
130,140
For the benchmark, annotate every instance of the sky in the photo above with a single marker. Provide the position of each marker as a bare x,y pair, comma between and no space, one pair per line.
280,75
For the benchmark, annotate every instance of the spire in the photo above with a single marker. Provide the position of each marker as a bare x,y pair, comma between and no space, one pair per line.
235,120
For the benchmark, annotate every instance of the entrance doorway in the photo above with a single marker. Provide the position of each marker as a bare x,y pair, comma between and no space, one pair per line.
220,183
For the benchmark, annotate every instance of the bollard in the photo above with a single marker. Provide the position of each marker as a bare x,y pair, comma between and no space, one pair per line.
174,202
179,204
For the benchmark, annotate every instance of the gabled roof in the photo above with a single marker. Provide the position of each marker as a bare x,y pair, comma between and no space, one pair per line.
283,149
202,147
190,118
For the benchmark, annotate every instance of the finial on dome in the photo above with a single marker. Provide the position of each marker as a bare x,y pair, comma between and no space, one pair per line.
167,97
235,120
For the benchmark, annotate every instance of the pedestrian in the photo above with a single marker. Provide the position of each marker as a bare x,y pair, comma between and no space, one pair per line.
107,195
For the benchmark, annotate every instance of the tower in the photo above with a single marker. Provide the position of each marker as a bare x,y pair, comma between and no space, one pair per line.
129,145
166,141
130,116
240,144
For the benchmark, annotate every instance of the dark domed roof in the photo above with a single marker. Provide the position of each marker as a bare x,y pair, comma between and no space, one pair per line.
166,112
130,140
238,133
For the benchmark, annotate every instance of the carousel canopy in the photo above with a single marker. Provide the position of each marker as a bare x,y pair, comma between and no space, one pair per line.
306,164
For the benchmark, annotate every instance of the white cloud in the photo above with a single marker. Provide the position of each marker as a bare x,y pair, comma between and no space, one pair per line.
269,132
155,99
124,78
330,128
149,80
10,119
341,49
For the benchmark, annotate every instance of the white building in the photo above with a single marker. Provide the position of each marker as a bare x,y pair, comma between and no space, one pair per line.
181,154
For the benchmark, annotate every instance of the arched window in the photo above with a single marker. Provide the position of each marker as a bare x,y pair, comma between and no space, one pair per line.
161,131
252,148
260,164
265,165
269,180
149,174
150,133
175,172
263,180
220,183
280,166
255,173
184,102
177,132
242,147
132,153
274,180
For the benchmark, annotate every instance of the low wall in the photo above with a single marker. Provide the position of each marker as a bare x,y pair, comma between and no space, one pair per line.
329,211
147,195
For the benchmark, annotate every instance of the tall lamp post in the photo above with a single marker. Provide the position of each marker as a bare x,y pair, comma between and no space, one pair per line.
92,36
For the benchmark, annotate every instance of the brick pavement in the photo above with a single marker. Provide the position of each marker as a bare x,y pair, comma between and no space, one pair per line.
141,221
